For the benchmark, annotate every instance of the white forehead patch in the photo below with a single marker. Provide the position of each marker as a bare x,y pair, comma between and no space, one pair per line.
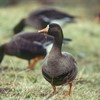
48,26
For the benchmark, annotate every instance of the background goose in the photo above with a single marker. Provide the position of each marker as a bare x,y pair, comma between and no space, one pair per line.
41,18
59,67
31,46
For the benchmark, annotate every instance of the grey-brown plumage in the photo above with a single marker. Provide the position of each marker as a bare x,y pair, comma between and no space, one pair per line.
59,67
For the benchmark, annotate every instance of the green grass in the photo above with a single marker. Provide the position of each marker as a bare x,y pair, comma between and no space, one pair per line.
18,83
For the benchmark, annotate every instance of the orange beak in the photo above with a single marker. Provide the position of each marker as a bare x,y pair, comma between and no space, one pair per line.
45,30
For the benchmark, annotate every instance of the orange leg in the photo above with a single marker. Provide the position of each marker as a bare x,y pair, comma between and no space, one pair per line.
33,62
54,88
70,88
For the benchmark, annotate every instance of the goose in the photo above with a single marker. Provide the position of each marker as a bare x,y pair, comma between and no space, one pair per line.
41,18
31,46
59,67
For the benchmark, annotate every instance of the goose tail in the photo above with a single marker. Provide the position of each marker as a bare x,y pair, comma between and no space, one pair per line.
1,53
20,26
66,40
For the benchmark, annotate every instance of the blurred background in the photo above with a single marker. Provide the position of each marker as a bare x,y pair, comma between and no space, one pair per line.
88,7
85,9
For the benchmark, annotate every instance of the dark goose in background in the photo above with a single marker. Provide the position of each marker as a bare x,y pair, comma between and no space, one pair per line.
59,67
31,46
41,18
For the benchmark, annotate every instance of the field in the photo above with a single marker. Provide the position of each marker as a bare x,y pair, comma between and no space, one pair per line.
17,82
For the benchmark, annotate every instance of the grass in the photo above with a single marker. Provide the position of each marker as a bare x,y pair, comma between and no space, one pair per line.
18,83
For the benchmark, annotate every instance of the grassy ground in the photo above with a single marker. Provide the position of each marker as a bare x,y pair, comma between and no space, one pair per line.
18,83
